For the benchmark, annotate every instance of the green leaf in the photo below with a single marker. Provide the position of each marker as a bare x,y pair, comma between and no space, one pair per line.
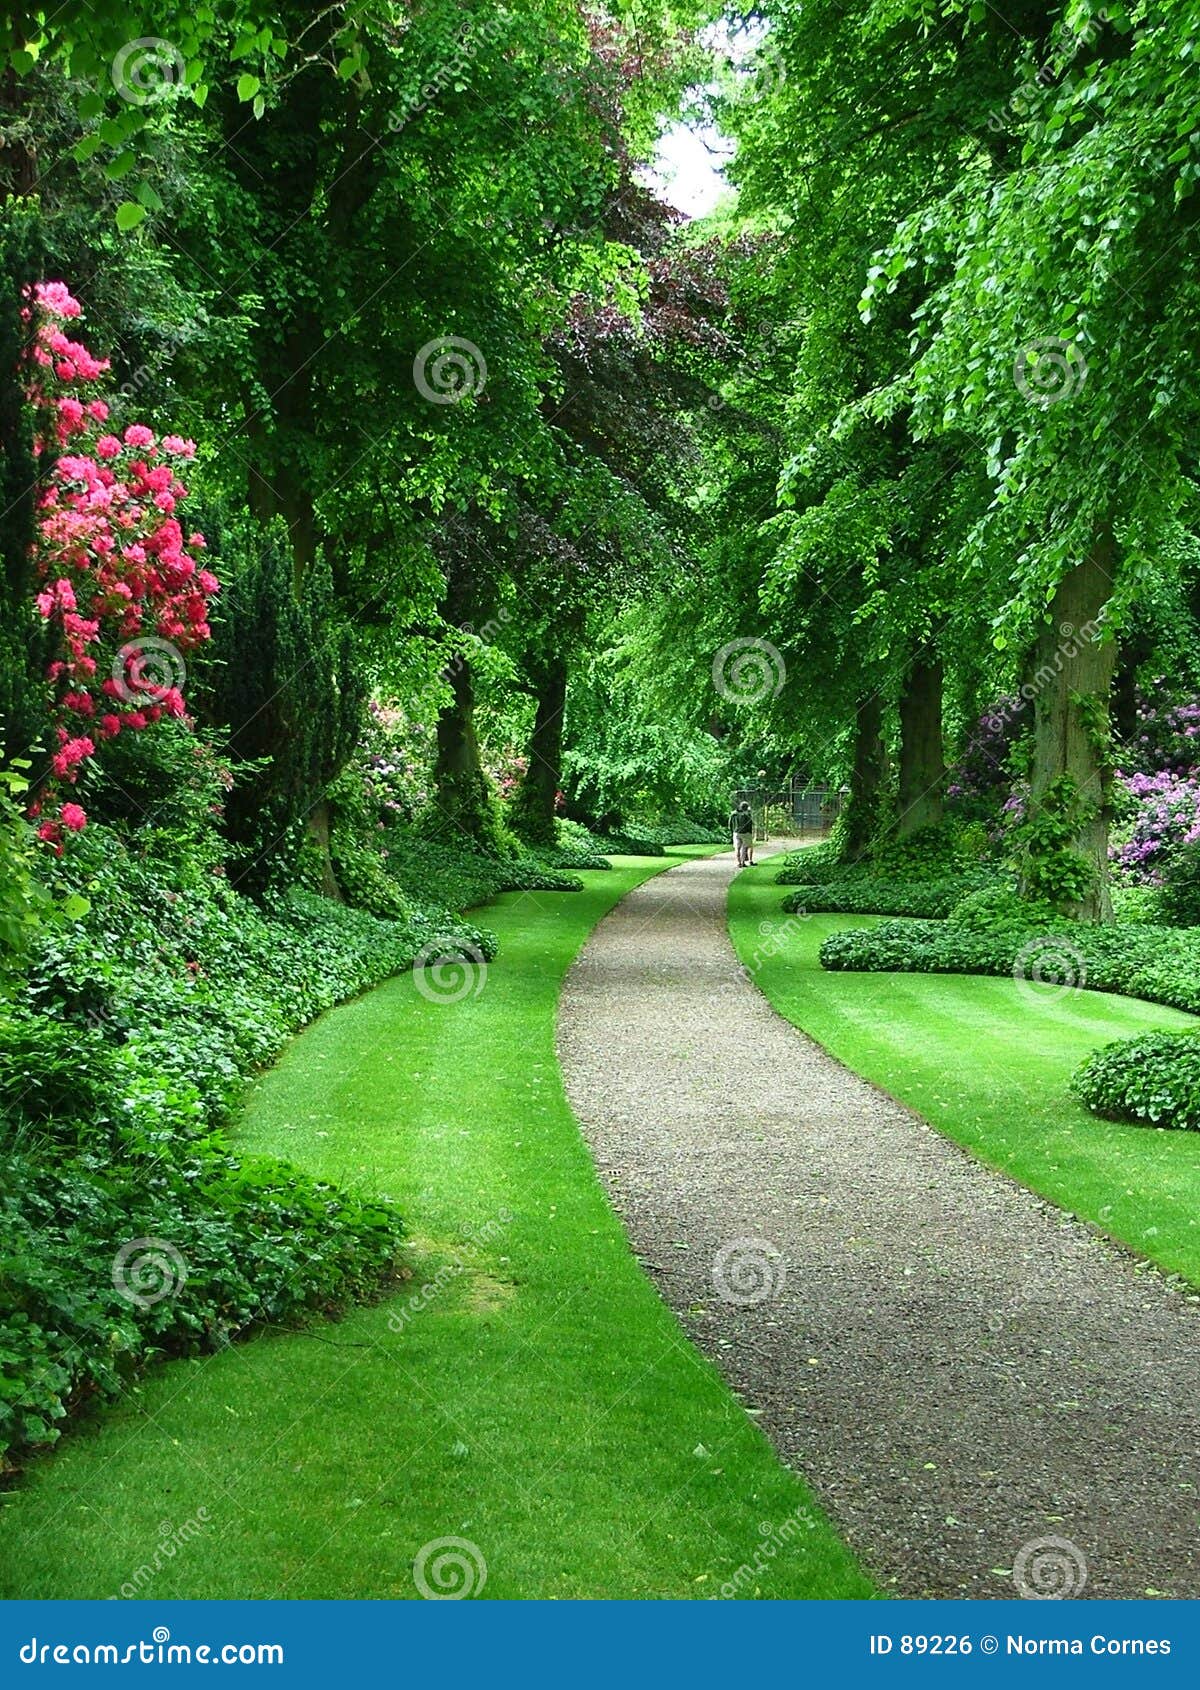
247,86
118,167
129,215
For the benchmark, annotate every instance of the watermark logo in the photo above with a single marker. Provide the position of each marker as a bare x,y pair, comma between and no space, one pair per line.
1047,967
748,671
445,971
146,1270
148,70
450,369
748,1271
449,1569
1048,1569
1049,370
147,668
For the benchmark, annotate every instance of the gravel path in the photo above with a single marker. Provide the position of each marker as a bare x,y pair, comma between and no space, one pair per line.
958,1369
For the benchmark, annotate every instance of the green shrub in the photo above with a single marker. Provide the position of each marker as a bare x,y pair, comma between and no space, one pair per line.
281,682
811,866
1000,908
572,857
631,842
530,874
137,1242
858,894
681,830
1160,964
1139,904
1180,893
1154,1078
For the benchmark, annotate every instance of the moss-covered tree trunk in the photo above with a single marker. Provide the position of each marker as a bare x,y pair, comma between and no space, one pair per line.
1064,838
464,800
866,780
532,810
922,749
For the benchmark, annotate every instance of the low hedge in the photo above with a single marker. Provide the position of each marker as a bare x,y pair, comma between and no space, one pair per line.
1153,1079
861,894
572,857
1159,964
421,872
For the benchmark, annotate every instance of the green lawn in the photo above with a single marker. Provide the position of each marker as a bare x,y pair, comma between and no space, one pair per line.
989,1067
540,1401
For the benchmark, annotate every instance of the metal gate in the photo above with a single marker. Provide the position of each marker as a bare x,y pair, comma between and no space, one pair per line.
794,811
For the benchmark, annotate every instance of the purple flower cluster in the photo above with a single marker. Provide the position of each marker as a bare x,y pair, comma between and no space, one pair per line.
1167,816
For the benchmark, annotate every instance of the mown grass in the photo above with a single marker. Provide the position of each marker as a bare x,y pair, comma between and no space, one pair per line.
988,1062
539,1401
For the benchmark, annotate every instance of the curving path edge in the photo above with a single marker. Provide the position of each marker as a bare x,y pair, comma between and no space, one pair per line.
960,1370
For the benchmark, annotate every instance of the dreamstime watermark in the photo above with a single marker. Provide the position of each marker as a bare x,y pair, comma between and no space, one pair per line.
447,971
1021,104
175,339
1048,1569
1049,370
747,671
450,369
172,1539
776,937
148,70
145,1270
1048,967
776,1537
488,635
448,1273
1071,643
449,1569
748,1271
1037,1295
156,1650
148,668
449,72
754,365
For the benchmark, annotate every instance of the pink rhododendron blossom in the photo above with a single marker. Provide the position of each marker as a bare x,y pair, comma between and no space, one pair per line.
110,555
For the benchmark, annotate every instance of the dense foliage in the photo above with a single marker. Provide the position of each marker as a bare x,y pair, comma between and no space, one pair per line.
1154,1079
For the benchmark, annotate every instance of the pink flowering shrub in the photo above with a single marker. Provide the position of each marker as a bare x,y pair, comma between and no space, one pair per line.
120,584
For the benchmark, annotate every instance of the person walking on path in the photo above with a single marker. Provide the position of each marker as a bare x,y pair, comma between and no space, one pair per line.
741,825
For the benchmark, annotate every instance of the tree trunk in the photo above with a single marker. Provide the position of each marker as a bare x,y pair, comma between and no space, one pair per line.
922,752
866,779
319,825
532,810
463,794
1071,674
